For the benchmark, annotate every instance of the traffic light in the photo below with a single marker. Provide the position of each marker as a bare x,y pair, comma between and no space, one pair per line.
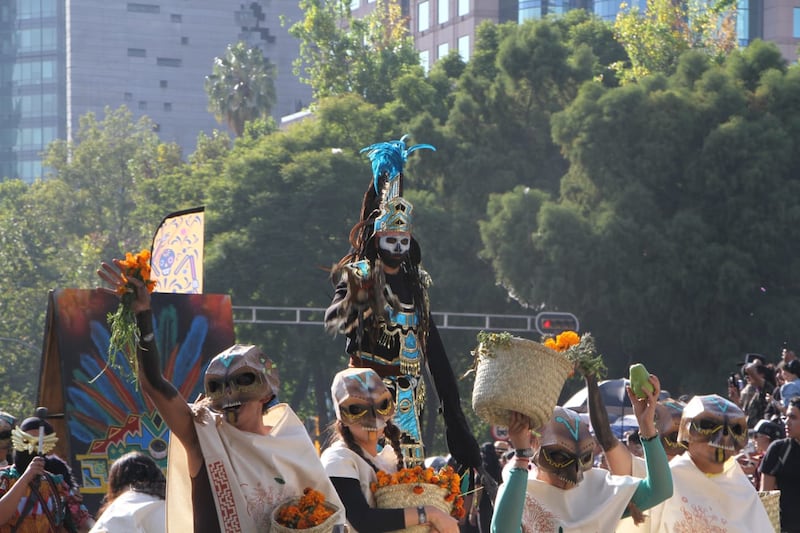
551,323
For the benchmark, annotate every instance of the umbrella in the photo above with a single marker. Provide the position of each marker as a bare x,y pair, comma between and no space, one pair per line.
614,397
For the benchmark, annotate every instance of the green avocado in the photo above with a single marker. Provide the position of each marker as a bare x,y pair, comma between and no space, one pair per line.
640,383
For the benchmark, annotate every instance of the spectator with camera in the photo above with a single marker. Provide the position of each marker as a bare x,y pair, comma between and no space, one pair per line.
780,469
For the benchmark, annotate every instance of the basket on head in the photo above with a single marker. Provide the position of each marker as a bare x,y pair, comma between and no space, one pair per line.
515,374
409,495
325,527
771,499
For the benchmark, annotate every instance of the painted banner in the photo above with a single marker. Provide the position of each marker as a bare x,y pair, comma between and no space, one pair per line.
177,252
98,422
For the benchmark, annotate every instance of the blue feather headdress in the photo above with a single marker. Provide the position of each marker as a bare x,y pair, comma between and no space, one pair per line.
388,159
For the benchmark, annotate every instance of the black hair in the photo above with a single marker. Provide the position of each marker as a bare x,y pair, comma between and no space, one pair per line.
134,471
391,432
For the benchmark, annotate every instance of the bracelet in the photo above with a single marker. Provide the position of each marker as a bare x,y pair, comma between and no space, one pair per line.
523,452
422,515
648,439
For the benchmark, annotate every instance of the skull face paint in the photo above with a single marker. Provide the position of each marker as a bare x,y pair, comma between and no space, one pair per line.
566,447
393,246
240,374
361,398
714,421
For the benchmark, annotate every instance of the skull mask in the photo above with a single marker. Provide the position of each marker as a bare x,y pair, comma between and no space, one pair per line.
566,448
716,421
240,374
361,398
668,421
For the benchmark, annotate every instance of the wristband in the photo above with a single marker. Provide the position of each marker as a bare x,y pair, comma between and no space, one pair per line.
422,515
648,439
526,453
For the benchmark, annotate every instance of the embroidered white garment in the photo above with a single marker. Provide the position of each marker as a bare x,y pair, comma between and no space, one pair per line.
700,503
595,505
250,474
340,461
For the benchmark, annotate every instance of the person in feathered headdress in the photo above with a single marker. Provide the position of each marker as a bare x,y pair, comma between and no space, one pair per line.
381,304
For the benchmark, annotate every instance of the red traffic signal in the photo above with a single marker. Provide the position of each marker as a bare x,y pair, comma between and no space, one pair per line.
552,323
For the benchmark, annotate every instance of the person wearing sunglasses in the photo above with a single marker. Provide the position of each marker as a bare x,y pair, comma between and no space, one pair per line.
364,408
563,491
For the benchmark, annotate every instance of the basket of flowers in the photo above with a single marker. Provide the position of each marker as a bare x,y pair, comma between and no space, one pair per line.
516,374
310,513
411,487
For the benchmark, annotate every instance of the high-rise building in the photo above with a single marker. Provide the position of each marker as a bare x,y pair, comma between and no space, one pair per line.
439,26
60,59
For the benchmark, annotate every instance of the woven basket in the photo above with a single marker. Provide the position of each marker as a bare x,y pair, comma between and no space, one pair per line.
772,503
325,527
403,495
523,376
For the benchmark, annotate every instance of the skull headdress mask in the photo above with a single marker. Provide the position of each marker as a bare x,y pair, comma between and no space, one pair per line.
566,448
361,398
716,421
668,421
240,374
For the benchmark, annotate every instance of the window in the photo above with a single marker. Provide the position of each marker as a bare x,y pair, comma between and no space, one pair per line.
175,18
425,60
423,16
128,97
167,106
463,7
463,47
355,4
444,11
168,62
796,23
442,51
137,52
142,105
184,40
37,39
43,8
163,84
144,8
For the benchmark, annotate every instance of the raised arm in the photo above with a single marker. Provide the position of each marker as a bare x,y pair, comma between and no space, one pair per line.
170,404
618,456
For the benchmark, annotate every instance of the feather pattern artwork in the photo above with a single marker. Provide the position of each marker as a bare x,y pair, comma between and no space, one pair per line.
388,159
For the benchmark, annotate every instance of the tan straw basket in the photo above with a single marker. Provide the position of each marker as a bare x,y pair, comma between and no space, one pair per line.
403,495
519,375
325,527
772,503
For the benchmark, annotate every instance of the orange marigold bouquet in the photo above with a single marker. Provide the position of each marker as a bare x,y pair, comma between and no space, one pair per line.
310,510
419,479
122,322
580,351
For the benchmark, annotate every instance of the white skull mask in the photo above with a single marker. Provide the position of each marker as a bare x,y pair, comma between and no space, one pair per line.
395,243
240,374
718,422
566,448
360,397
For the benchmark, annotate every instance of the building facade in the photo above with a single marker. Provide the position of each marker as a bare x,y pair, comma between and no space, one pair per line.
439,26
60,59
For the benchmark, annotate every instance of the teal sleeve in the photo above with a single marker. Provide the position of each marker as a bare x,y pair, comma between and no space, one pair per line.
657,486
510,501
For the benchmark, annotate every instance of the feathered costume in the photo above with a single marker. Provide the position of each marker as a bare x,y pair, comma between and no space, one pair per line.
386,316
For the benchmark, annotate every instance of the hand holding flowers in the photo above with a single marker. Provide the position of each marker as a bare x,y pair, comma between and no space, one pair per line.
131,281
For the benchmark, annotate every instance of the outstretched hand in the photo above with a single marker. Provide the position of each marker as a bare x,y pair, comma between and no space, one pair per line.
112,275
645,408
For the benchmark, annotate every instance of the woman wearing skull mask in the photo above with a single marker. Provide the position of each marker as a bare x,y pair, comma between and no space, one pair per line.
364,408
562,491
237,453
710,490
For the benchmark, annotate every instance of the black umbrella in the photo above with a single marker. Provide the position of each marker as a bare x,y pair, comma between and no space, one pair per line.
614,397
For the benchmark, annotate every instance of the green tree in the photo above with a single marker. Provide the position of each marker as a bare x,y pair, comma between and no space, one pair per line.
656,38
340,54
241,87
667,235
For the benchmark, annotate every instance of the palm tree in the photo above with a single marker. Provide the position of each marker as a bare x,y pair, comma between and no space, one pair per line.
241,86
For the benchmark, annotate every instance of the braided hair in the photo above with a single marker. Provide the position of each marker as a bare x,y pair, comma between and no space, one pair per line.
391,432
